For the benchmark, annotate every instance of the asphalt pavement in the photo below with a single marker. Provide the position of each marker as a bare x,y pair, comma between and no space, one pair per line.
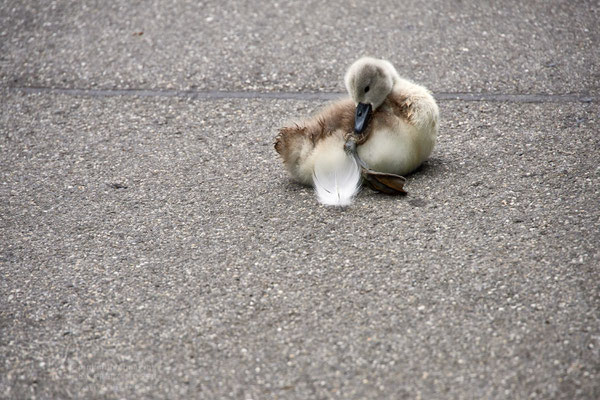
153,246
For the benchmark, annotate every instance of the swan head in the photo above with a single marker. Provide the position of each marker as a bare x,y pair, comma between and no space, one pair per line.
368,81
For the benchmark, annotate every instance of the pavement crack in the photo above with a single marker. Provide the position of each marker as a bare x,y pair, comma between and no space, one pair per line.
217,95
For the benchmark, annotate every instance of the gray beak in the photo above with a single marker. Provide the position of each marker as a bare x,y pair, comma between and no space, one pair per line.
361,117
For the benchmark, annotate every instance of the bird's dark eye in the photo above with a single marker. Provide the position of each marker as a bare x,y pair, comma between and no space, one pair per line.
367,89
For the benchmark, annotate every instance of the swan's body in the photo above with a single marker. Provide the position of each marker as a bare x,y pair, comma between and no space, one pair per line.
399,136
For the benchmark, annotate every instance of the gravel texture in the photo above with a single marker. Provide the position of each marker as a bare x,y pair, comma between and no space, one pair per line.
540,46
157,248
154,246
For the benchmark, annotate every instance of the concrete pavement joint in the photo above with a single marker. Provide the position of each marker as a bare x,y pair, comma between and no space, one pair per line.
215,95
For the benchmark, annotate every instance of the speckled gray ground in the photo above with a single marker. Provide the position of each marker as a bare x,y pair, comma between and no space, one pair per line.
154,246
510,46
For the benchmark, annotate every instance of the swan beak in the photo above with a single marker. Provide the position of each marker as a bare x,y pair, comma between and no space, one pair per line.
361,117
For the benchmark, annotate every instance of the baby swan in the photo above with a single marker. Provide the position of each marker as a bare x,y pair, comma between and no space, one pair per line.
389,124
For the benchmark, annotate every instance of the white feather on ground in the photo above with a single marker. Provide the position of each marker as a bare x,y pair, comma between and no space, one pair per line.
336,185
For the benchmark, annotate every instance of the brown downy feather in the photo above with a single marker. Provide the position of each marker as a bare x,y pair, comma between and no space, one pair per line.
335,117
292,139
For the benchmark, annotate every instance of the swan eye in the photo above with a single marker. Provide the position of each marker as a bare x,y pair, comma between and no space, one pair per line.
367,89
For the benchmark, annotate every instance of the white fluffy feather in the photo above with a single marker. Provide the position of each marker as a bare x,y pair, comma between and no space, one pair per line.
336,185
